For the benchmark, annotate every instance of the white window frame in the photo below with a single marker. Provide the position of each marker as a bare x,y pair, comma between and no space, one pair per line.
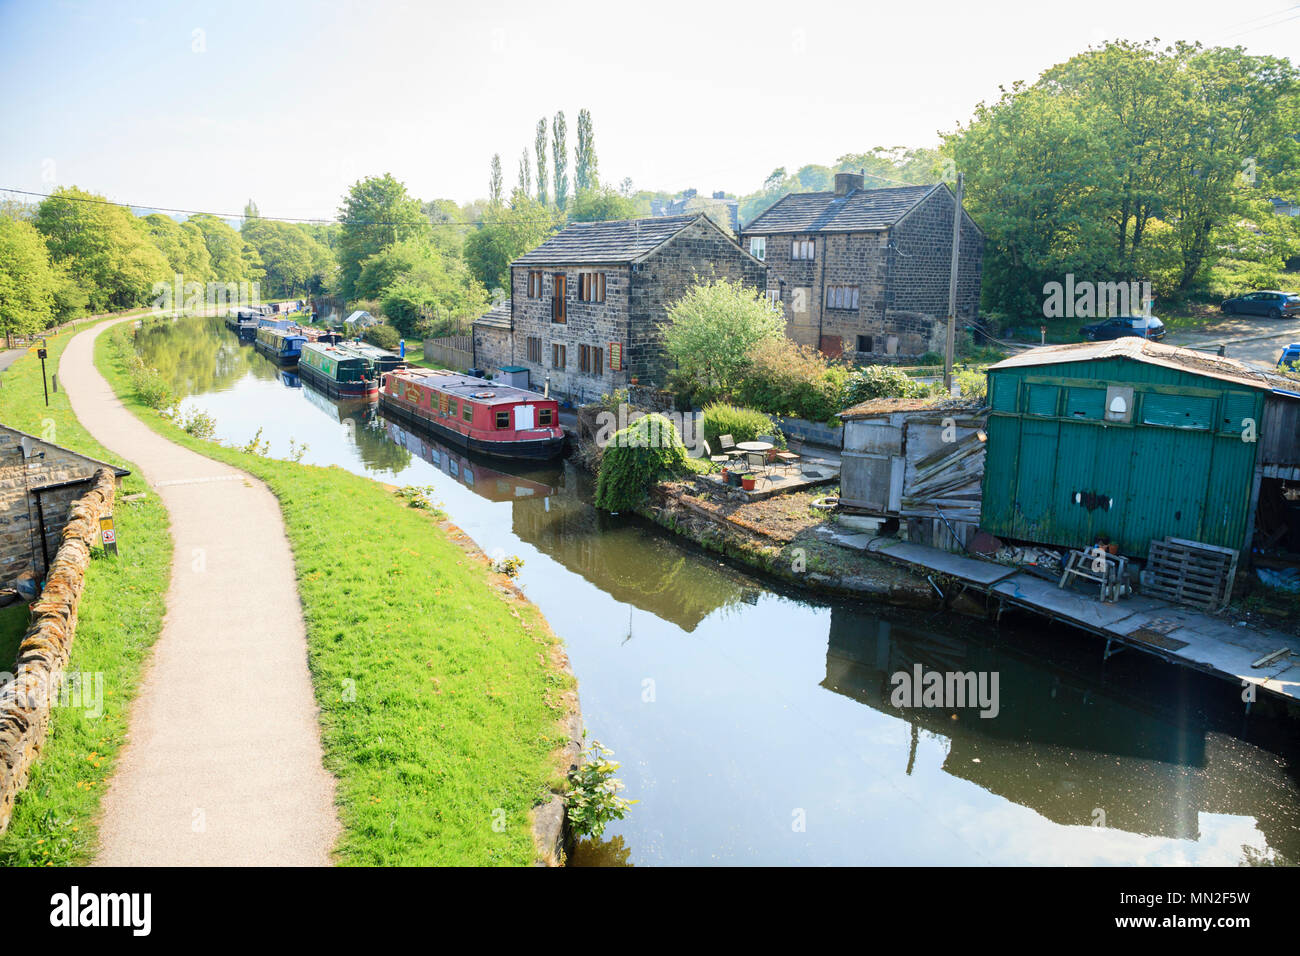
758,247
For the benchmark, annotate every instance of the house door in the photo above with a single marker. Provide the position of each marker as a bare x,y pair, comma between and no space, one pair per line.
832,346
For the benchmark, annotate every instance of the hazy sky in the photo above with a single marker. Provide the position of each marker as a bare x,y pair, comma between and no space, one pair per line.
203,105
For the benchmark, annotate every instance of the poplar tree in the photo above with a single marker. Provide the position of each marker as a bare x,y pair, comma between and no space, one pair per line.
560,154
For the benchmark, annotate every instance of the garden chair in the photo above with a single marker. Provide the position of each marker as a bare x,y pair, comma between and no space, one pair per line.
729,446
758,460
715,460
788,460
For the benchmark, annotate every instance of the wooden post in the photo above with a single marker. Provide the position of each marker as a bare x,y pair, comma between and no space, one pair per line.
952,288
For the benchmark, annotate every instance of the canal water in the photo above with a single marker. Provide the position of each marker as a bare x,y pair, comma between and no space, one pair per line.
755,725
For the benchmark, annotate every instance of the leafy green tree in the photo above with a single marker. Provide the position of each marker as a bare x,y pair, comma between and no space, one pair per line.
539,147
376,213
494,186
507,232
525,175
232,259
600,204
27,280
183,245
711,331
103,246
585,172
293,261
560,156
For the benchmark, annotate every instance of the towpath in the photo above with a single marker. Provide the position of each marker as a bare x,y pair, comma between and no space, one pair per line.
222,764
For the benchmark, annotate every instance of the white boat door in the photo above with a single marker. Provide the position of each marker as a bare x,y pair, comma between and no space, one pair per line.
523,417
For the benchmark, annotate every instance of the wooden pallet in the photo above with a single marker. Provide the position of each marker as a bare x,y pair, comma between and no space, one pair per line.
1190,572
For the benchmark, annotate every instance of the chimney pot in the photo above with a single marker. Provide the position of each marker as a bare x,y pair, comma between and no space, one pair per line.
845,183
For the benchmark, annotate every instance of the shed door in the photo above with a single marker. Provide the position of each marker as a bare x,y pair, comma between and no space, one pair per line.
523,417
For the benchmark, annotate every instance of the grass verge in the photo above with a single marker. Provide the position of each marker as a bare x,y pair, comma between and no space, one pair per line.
120,617
440,699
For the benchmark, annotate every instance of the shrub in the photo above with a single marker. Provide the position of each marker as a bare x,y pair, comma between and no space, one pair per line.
881,381
593,793
199,424
152,387
742,424
637,457
973,384
384,336
784,378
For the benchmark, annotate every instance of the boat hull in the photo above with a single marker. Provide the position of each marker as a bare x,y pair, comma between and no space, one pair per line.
283,359
323,383
540,450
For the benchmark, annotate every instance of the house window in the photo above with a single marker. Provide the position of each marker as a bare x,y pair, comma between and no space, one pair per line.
544,416
802,249
467,411
534,350
503,419
865,343
758,247
591,286
774,298
841,297
591,359
535,283
560,288
559,356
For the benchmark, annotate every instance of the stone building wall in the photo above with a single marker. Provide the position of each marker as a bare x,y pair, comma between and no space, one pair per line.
699,253
589,323
20,545
492,347
920,261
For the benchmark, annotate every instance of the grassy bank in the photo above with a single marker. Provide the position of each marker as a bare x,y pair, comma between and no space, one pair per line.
120,617
439,695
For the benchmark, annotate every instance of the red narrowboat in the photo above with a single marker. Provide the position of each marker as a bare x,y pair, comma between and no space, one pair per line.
475,414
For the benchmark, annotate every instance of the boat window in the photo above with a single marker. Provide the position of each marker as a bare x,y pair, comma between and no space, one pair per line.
467,411
544,416
503,419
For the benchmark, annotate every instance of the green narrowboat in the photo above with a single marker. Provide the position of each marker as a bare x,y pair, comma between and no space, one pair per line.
339,371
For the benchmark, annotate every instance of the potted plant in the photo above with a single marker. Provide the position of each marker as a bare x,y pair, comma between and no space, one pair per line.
747,483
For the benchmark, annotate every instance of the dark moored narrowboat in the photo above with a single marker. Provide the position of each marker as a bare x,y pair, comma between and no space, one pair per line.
282,346
385,361
244,320
338,371
474,414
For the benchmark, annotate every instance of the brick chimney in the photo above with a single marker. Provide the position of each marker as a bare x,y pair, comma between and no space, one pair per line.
845,183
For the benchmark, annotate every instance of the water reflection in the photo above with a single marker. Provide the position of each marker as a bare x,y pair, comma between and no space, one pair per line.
733,706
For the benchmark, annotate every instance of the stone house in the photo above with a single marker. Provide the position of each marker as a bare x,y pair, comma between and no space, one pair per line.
864,273
39,481
586,305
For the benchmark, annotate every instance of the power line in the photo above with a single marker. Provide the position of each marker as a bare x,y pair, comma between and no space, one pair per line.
1265,26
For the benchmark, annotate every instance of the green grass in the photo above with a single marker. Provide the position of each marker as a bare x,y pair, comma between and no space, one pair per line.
457,703
120,617
13,622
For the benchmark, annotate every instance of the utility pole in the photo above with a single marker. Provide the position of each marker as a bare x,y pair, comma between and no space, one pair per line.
952,288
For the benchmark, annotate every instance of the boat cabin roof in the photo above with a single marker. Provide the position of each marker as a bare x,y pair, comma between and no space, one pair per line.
468,386
339,353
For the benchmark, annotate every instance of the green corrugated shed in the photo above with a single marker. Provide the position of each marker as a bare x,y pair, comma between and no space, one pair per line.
1066,463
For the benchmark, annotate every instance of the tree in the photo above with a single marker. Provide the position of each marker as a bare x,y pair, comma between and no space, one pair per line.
27,279
250,210
376,213
183,245
539,147
494,187
418,285
293,261
559,153
506,233
232,259
102,246
525,175
585,174
600,205
711,331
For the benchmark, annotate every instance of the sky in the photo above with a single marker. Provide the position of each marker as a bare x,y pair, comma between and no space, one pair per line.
205,105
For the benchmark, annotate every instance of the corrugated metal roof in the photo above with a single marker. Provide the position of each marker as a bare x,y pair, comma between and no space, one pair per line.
859,211
618,241
1155,353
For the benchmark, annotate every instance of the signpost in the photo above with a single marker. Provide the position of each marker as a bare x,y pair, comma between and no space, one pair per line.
40,354
108,533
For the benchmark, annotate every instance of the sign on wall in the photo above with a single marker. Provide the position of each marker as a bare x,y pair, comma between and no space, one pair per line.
616,356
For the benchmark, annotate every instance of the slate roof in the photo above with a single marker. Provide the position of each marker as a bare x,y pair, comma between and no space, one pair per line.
860,211
616,242
1155,353
497,317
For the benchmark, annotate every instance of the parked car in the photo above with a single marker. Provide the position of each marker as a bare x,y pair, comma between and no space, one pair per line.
1143,326
1274,304
1290,355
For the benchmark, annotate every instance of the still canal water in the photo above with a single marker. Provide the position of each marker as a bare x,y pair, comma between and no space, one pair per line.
755,726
